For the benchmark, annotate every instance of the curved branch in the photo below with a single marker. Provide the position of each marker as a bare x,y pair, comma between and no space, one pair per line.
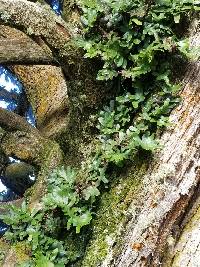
48,97
13,122
36,20
17,47
30,147
36,150
23,51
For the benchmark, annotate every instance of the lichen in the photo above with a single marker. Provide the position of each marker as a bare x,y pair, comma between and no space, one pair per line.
5,16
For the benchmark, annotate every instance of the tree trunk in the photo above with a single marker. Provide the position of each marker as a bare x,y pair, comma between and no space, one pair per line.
153,220
149,214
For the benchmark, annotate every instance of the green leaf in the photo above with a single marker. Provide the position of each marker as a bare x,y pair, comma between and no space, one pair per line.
136,21
79,221
106,74
149,143
43,261
90,192
177,18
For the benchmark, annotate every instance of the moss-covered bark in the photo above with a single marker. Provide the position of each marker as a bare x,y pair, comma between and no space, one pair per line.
112,216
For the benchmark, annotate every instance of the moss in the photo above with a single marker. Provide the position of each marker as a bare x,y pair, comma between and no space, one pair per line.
111,217
22,252
70,13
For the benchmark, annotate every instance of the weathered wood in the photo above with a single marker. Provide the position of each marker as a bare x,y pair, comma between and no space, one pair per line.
23,51
186,250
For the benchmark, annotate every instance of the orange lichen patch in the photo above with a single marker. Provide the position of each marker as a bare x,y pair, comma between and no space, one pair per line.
154,205
137,246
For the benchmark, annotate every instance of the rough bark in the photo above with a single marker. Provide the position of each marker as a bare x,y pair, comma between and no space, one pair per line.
171,184
36,20
185,250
